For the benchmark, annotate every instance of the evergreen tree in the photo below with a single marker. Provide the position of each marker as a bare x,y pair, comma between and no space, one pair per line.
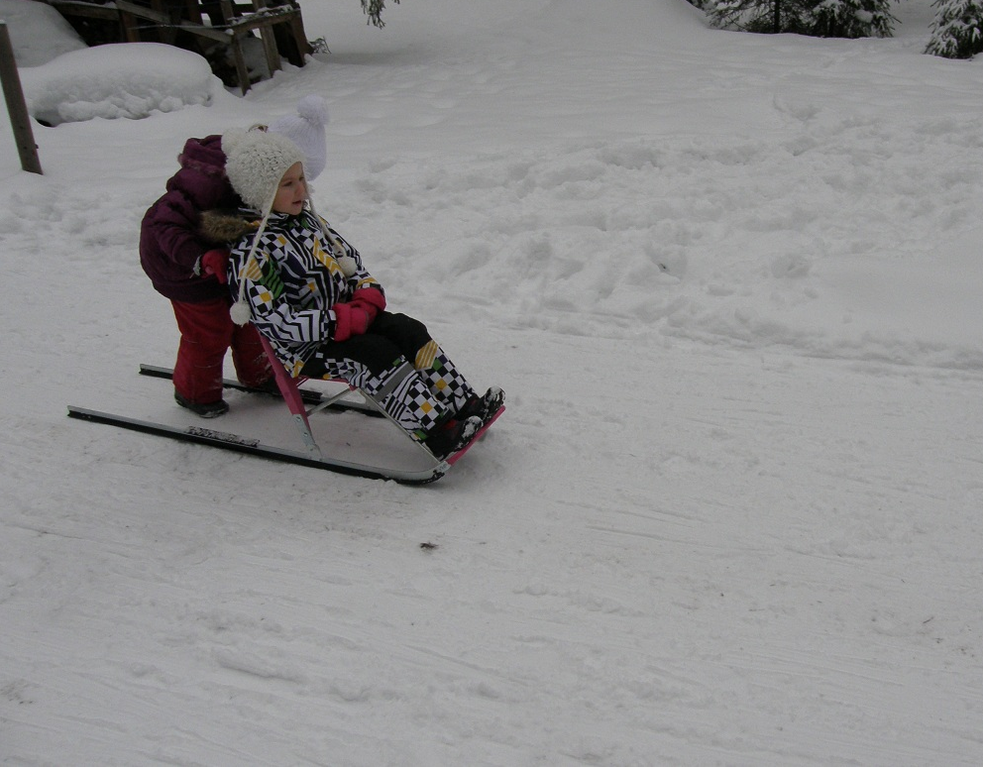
819,18
373,9
756,15
957,32
852,18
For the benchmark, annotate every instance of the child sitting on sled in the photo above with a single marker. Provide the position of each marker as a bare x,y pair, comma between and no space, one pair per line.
306,289
190,269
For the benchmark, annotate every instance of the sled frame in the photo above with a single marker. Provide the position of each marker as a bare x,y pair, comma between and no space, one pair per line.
289,387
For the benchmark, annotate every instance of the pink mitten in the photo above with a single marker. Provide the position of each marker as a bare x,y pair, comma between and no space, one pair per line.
350,320
216,263
371,300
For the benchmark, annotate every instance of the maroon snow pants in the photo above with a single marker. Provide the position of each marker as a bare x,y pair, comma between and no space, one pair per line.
207,333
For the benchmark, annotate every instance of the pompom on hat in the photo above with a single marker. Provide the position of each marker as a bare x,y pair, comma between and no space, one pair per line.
306,130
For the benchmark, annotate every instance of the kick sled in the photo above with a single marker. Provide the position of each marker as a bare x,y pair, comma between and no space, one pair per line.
303,403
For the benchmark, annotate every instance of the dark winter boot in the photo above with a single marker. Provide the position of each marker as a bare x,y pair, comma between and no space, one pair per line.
205,410
483,407
450,437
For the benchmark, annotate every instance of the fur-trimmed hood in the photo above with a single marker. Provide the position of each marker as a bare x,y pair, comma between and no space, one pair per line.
225,226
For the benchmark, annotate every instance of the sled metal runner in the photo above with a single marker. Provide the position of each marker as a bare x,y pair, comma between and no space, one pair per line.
296,399
233,442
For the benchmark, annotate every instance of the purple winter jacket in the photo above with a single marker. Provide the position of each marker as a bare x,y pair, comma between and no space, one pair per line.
170,241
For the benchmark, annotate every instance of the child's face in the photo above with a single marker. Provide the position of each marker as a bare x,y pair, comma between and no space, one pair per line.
292,192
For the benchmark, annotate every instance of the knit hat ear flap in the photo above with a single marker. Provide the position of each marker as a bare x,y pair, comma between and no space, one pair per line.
306,130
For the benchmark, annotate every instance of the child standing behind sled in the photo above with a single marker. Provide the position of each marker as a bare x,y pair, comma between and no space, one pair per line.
306,289
190,269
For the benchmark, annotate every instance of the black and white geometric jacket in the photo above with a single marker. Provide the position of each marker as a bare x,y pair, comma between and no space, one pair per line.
294,278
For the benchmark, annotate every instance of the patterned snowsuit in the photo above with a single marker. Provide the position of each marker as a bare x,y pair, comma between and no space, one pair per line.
291,284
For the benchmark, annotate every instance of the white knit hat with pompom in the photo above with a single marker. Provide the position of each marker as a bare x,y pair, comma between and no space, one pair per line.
255,164
306,130
255,161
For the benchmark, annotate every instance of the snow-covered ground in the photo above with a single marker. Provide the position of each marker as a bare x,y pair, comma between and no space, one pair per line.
734,513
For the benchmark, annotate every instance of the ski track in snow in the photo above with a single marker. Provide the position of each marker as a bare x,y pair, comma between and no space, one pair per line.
730,517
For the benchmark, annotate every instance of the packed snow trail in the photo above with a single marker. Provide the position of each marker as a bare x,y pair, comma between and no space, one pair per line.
708,569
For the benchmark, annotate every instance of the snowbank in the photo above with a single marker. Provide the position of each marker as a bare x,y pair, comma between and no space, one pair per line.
126,80
38,33
832,241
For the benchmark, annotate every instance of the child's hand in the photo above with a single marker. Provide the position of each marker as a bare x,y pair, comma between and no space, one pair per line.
370,300
350,320
215,263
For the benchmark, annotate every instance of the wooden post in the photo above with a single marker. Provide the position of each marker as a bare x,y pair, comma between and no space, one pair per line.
20,120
